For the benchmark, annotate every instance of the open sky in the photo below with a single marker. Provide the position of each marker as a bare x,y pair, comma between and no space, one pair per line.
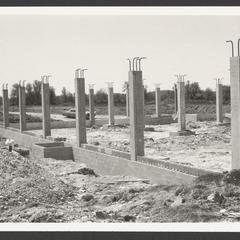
35,45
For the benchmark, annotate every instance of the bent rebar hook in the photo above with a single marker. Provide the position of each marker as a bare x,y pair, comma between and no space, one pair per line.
42,78
82,72
129,62
77,72
139,62
133,62
47,78
230,41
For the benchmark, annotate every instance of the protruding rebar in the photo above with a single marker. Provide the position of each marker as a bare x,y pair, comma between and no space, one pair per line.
91,86
77,72
230,41
47,78
7,86
109,84
82,72
24,83
42,78
129,62
3,86
180,77
139,62
20,83
133,62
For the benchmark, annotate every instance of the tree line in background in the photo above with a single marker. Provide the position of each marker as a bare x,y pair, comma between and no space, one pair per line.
193,93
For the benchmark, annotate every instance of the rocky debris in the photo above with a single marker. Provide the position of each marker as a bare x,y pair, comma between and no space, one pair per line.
96,143
232,177
193,125
22,151
87,197
216,197
57,139
149,129
87,171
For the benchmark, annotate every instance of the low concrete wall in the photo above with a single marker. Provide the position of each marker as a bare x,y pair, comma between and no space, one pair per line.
107,161
109,165
24,139
55,150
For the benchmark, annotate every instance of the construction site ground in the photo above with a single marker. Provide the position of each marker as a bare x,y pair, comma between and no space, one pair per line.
209,149
49,190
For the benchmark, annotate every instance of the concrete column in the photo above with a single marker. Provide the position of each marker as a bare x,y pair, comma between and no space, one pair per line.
136,114
158,100
219,103
110,104
181,106
143,89
22,108
175,98
5,101
46,120
235,110
91,104
127,101
80,111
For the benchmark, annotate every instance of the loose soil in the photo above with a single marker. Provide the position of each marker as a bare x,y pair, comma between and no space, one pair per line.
51,190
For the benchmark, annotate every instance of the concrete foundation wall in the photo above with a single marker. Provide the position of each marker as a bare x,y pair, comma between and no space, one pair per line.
23,139
109,165
107,161
52,150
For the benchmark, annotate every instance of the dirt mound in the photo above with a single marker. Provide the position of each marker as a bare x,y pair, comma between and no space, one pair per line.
25,185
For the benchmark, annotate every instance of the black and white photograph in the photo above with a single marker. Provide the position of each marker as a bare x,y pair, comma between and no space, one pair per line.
120,115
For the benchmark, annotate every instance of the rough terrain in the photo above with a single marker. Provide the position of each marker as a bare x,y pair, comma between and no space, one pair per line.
66,191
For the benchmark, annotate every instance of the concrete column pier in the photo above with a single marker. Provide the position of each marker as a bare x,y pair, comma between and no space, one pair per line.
157,100
46,120
136,101
175,99
181,106
110,104
127,101
80,111
235,110
181,114
219,103
22,108
5,101
91,104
